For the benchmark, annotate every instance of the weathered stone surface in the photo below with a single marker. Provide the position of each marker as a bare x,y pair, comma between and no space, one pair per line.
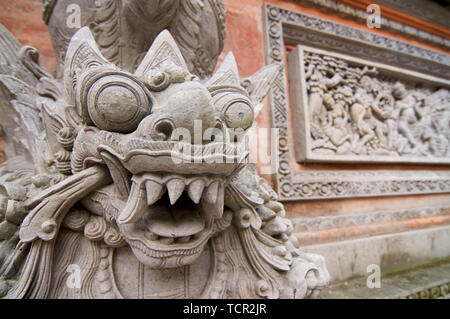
404,24
320,229
118,176
429,281
2,152
125,30
397,251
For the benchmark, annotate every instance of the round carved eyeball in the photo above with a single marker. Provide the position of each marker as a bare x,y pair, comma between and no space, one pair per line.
238,114
157,80
117,103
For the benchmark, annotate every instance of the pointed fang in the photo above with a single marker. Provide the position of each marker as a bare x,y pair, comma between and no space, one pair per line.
135,207
175,188
195,190
214,210
154,191
211,192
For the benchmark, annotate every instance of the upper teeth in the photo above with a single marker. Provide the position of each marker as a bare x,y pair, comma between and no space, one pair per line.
211,192
175,188
195,190
154,191
152,187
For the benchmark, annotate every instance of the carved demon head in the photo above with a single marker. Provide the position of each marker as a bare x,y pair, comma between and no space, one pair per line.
167,193
150,163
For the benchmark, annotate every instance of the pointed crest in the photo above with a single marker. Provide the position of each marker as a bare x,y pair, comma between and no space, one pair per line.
163,52
82,54
227,74
259,84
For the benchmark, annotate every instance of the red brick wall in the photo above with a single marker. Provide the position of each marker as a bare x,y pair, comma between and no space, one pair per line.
24,19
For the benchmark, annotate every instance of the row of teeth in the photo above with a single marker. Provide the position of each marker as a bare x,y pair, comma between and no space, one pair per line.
148,188
175,185
170,240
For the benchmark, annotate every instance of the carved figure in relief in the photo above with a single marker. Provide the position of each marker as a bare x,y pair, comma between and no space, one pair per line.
369,122
97,179
405,104
336,129
439,115
316,90
319,82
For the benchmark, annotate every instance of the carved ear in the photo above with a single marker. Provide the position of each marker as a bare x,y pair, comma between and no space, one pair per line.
53,125
227,74
52,120
163,52
82,53
258,84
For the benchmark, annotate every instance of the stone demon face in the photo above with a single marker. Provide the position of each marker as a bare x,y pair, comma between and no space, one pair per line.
165,138
151,164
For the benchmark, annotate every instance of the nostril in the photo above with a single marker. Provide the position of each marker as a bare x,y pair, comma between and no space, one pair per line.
214,134
163,129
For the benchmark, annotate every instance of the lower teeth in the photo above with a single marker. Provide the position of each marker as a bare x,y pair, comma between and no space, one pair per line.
184,239
151,236
167,240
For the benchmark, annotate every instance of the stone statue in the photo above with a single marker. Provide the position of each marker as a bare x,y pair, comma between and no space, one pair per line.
124,30
99,196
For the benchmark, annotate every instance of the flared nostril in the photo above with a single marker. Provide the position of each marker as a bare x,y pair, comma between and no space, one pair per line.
163,130
220,132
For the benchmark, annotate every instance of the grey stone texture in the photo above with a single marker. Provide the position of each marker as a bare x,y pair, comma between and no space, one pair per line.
350,258
111,173
431,281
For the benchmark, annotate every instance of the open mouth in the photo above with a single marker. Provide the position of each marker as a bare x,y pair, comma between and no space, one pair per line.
148,188
168,209
168,219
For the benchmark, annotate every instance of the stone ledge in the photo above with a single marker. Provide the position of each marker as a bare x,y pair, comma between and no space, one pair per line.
315,223
428,282
350,258
380,227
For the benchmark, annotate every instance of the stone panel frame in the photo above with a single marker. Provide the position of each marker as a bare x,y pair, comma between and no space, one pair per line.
301,109
284,26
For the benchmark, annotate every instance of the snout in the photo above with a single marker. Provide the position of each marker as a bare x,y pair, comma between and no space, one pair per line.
184,116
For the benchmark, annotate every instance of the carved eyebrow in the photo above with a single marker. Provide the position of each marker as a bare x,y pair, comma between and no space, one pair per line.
215,89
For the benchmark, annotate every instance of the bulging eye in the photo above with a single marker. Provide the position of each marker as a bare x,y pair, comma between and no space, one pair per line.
238,114
117,103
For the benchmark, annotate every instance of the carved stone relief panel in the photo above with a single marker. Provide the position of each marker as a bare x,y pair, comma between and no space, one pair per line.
285,26
352,110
